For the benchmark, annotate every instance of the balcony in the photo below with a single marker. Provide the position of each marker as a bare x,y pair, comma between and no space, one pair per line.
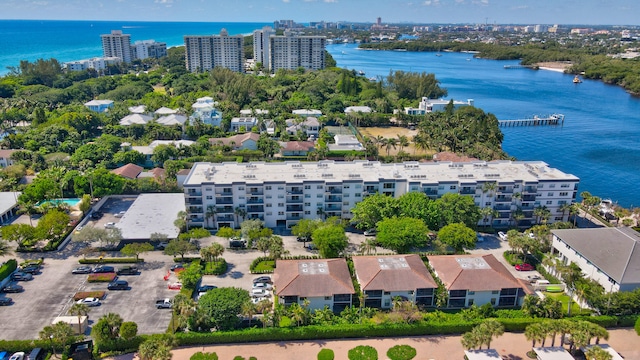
224,193
294,191
333,199
196,220
224,201
502,207
256,217
225,209
334,190
294,217
255,192
291,200
254,200
195,210
466,191
291,208
530,190
528,198
194,201
255,209
333,208
502,199
193,193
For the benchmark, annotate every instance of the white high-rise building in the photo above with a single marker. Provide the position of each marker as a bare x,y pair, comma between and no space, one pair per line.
148,49
283,193
261,45
118,45
203,53
291,52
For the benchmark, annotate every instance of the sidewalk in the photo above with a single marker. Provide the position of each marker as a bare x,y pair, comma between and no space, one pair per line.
512,346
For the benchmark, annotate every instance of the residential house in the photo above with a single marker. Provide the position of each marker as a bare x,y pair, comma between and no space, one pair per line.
296,148
165,111
99,105
139,109
310,126
135,119
5,157
172,119
552,353
158,174
270,127
129,171
8,206
431,105
345,142
385,278
246,141
357,109
322,282
240,123
147,151
204,109
477,280
307,112
610,256
253,112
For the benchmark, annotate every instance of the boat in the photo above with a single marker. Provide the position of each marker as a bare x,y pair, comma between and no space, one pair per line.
576,80
361,72
438,54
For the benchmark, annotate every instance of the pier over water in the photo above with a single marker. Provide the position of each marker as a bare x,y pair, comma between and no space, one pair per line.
554,119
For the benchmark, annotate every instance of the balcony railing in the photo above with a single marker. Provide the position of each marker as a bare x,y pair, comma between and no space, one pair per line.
290,200
193,193
332,208
255,201
194,201
332,199
255,209
294,208
294,191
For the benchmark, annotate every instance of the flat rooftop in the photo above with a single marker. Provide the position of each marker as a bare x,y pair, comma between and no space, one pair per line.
373,171
152,213
8,200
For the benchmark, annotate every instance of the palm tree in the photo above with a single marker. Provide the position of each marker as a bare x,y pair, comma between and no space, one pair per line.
240,213
182,220
570,275
490,188
564,208
491,328
5,249
488,212
574,211
155,349
211,214
390,143
403,141
597,353
535,332
367,247
249,309
471,340
79,310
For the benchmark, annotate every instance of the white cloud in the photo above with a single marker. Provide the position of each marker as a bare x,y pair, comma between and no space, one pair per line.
331,1
432,3
286,1
163,1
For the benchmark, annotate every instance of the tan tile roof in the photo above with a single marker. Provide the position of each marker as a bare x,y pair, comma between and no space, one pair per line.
392,273
130,171
184,172
236,139
298,145
6,154
473,272
312,278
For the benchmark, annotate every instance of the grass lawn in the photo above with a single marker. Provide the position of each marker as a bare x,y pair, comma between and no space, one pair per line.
265,265
564,299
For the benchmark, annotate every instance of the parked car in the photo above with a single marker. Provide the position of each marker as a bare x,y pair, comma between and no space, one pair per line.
12,288
109,225
17,356
175,286
20,276
118,285
177,266
312,246
261,285
127,270
90,301
256,300
524,267
259,293
164,304
303,239
5,301
205,288
82,270
31,269
370,232
162,245
103,269
96,215
37,354
502,235
120,214
263,279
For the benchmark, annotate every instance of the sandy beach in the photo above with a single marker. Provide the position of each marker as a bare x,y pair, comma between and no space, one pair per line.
557,66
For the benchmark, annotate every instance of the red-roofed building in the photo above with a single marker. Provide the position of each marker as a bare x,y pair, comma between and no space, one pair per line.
383,278
129,171
477,280
248,141
323,282
296,148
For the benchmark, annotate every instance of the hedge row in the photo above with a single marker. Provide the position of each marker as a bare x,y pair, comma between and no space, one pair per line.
12,346
256,262
10,266
120,345
119,260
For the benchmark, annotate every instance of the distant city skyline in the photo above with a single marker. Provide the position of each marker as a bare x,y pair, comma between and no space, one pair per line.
579,12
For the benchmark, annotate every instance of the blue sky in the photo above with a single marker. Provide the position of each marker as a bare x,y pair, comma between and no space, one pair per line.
613,12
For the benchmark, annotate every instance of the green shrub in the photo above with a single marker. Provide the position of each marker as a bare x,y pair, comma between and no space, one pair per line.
401,352
120,345
637,326
265,266
326,354
204,356
120,260
187,259
216,267
253,267
101,277
85,294
628,320
31,262
363,352
8,268
239,358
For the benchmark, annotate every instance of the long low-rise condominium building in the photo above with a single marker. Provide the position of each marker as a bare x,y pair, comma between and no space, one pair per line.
283,193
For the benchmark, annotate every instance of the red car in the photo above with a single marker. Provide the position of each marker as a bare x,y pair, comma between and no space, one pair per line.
524,267
175,286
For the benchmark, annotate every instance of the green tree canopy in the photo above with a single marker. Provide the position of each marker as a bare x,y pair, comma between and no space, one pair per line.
458,236
220,307
330,240
456,208
372,209
402,234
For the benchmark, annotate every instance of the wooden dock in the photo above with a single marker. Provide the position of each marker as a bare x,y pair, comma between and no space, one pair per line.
553,120
519,67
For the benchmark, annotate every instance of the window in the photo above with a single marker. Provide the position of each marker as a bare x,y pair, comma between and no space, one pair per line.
327,298
268,205
307,212
241,197
280,187
516,186
564,185
307,196
552,186
470,302
358,186
487,203
388,186
269,213
319,196
345,195
241,188
280,196
307,204
209,197
358,195
319,187
550,194
549,202
564,193
452,187
280,204
346,187
268,187
280,213
493,301
209,189
307,187
471,293
495,292
269,196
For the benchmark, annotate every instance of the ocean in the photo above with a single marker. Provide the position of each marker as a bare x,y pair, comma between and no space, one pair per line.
77,40
599,141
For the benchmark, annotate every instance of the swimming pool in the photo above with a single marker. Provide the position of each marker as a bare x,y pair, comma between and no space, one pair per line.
71,202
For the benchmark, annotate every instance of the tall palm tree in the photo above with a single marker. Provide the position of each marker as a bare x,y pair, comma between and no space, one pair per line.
471,340
240,213
5,249
535,332
491,328
249,309
390,143
403,141
490,188
597,353
79,310
564,208
211,214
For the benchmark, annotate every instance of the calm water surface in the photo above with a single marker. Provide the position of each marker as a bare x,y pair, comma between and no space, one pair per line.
600,139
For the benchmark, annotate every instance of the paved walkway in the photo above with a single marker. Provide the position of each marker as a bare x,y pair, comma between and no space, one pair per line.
512,346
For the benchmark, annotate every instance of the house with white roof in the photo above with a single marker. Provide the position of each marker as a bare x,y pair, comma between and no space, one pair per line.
165,111
99,105
310,126
137,119
307,112
204,109
139,109
345,142
172,119
8,205
246,123
431,105
357,109
147,151
253,112
610,256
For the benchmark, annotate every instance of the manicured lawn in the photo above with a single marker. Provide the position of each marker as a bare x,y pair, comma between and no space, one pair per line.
86,294
101,277
564,299
265,265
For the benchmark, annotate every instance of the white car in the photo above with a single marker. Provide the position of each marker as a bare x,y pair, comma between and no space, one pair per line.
110,225
262,285
90,301
259,293
256,300
120,214
17,356
502,235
